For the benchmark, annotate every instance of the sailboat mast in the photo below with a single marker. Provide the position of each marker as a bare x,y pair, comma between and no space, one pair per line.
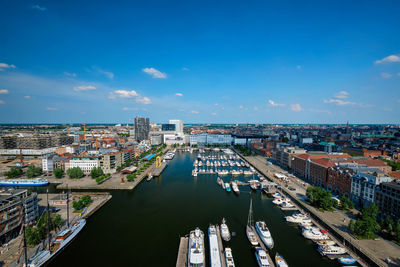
250,218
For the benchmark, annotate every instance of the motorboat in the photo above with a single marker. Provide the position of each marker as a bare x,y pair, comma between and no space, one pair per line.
347,260
196,252
264,234
280,261
261,256
227,187
220,181
298,218
287,204
215,259
235,187
254,184
331,250
314,233
229,258
225,234
277,201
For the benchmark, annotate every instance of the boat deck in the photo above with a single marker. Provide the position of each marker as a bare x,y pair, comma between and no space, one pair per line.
221,247
261,244
182,252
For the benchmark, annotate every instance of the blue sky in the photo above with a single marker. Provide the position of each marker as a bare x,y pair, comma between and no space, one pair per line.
200,61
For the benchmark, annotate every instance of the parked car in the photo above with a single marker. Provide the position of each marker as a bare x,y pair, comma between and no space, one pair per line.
292,188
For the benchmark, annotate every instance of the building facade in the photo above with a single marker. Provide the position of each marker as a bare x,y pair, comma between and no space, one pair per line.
387,197
363,186
142,128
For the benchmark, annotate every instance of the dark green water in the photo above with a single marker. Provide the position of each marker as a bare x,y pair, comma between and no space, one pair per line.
142,227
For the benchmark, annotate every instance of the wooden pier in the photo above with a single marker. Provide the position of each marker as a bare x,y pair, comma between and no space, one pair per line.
221,247
261,244
181,261
158,171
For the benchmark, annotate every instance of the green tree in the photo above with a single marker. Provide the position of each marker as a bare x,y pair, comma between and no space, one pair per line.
58,173
33,171
14,172
96,172
32,235
75,173
346,203
58,221
367,225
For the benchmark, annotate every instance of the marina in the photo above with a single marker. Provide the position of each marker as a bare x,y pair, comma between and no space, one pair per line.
171,196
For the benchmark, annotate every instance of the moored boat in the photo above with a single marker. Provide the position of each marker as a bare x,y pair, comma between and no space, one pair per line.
235,187
24,182
264,234
227,187
261,256
196,253
225,234
347,260
280,261
251,235
215,259
331,250
314,233
229,258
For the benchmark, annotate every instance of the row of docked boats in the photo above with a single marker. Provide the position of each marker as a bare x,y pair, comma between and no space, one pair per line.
265,236
232,186
196,249
217,163
326,246
283,202
217,157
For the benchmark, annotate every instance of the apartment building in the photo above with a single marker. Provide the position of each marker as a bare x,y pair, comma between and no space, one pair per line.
387,197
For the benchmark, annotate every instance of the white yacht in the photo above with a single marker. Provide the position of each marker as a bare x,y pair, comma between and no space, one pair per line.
196,254
247,173
280,261
287,204
225,234
261,256
235,187
215,259
298,218
315,233
229,258
331,250
264,234
235,172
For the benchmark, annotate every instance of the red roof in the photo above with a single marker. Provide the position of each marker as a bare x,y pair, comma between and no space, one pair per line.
321,156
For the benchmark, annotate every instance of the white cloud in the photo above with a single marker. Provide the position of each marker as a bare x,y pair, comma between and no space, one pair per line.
4,66
339,102
51,108
143,100
155,73
342,94
69,74
255,108
272,103
108,74
27,97
185,69
216,104
194,112
41,8
84,88
179,94
3,91
214,113
2,102
126,108
388,59
241,107
386,75
296,107
124,94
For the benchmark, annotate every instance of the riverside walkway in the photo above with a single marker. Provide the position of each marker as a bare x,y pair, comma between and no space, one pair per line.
375,252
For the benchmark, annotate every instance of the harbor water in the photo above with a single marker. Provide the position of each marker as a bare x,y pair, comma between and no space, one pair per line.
142,227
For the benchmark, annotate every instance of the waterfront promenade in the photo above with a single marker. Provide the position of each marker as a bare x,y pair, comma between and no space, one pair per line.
378,250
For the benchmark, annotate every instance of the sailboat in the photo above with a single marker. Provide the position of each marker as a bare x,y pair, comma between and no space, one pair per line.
251,235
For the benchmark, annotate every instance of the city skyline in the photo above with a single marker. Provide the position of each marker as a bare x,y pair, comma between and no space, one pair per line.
261,62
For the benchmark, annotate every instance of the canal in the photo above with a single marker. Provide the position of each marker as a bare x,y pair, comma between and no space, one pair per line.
142,227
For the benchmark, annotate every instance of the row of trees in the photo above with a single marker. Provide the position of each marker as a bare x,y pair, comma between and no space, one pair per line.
395,165
33,171
243,150
14,172
38,232
366,225
320,198
75,173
